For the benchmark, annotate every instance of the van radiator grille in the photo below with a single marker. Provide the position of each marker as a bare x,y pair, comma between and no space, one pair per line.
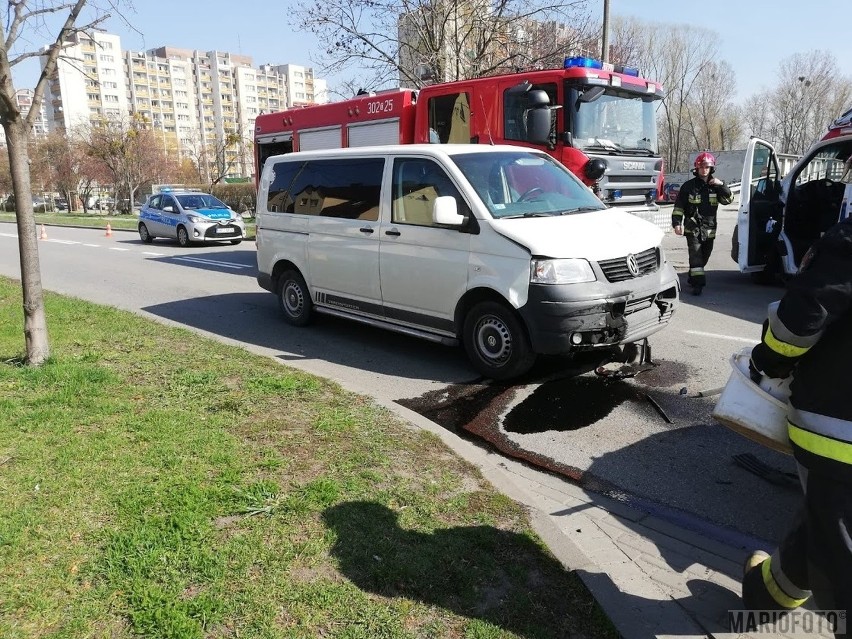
617,270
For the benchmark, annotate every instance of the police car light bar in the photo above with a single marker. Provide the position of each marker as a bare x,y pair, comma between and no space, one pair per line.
591,63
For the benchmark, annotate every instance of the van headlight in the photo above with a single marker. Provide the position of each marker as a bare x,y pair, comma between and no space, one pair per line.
568,271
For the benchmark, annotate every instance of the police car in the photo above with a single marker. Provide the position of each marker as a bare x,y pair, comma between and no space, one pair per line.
189,216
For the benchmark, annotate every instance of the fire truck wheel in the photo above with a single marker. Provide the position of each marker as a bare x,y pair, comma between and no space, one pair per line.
496,342
295,299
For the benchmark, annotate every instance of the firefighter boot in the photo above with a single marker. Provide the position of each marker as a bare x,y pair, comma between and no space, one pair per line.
754,560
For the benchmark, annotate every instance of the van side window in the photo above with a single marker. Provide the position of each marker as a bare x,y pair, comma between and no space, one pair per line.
449,118
416,184
279,188
348,188
515,106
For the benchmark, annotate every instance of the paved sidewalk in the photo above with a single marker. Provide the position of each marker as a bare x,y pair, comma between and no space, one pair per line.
652,575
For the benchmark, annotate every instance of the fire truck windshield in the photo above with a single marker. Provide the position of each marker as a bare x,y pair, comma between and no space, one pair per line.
615,121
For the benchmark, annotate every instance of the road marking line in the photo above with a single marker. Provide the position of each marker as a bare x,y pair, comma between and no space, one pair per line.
92,245
199,260
718,336
62,241
153,254
114,248
8,235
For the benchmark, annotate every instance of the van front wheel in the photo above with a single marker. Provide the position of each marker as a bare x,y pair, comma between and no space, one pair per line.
295,299
496,342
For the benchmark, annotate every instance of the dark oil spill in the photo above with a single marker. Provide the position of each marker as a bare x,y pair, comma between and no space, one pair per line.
569,404
560,403
665,373
566,401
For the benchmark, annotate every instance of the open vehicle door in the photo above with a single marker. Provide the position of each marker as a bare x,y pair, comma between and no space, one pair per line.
759,217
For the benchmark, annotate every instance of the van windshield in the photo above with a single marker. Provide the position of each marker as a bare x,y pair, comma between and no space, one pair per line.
525,184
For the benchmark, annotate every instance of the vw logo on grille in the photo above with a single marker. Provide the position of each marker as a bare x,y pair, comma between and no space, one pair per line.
632,265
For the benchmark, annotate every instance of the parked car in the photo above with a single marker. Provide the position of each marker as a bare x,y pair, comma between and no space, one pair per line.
499,248
60,204
189,216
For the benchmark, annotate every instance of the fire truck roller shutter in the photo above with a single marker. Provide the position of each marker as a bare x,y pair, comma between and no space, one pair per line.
374,133
328,138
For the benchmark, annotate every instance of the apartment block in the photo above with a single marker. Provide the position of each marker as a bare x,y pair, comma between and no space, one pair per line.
196,100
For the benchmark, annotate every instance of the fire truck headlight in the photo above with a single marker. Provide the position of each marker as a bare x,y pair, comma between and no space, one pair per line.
569,271
595,168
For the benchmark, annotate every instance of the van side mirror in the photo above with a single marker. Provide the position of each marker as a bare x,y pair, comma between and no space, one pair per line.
445,210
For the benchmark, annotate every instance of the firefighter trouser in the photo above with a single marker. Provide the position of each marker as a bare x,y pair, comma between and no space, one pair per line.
814,557
699,254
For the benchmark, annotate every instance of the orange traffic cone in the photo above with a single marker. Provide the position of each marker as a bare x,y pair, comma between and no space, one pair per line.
109,230
43,234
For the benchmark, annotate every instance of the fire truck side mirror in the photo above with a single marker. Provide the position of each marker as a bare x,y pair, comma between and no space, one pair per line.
538,125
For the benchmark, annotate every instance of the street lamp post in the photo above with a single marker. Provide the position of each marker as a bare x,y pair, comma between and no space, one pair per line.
605,35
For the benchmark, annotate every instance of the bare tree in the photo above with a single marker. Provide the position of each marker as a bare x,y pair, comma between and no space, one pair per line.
811,92
215,159
398,40
713,117
682,58
22,22
128,149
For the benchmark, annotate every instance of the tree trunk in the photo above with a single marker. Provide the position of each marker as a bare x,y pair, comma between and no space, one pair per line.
35,321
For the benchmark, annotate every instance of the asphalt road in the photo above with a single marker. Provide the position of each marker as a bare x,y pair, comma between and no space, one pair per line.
649,440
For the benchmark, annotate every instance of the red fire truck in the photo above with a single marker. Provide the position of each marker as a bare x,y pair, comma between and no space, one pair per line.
602,124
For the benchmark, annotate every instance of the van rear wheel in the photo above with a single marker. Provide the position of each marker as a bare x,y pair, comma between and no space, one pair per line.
295,299
496,342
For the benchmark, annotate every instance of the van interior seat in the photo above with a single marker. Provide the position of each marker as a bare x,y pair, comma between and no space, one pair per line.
418,195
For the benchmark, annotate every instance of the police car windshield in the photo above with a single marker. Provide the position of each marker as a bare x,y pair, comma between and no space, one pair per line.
196,201
521,184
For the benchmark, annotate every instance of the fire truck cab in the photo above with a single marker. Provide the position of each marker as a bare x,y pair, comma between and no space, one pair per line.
596,119
779,219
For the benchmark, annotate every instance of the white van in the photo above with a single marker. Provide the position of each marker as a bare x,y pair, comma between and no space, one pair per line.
500,248
778,218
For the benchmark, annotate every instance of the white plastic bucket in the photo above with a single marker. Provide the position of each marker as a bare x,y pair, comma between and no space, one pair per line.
751,410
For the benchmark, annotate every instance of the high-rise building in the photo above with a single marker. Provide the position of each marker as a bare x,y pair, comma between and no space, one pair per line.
199,102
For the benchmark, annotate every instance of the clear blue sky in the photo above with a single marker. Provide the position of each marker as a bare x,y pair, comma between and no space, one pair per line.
755,35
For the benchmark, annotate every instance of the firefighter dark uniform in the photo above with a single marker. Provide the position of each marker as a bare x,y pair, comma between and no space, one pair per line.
695,211
809,334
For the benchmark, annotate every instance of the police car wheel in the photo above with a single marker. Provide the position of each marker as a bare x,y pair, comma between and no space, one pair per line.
496,342
144,235
183,236
295,299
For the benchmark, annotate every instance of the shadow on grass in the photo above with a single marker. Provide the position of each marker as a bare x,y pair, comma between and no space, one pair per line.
480,572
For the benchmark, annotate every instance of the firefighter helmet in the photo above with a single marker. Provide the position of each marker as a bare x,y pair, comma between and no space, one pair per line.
705,158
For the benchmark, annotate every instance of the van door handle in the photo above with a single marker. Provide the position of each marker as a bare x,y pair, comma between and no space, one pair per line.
393,232
366,229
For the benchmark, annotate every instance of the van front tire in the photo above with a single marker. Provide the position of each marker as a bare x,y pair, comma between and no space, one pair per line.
294,298
496,342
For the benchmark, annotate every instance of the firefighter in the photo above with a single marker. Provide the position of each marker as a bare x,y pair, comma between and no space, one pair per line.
694,215
809,334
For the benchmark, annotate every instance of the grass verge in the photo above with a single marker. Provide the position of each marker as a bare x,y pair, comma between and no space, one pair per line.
156,483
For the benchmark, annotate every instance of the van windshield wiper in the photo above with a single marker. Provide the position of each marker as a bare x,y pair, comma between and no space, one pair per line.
510,217
582,209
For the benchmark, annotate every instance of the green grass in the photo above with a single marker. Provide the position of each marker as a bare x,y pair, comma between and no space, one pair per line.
98,220
154,483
